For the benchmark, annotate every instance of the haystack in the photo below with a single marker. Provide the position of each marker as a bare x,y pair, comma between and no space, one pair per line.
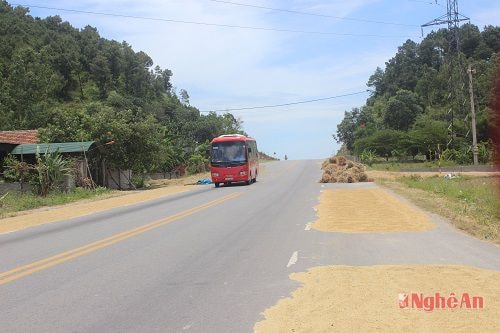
337,169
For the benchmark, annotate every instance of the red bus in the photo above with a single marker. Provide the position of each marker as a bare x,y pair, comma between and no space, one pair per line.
234,158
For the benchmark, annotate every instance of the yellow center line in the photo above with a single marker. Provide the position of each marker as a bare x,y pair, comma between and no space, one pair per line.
36,266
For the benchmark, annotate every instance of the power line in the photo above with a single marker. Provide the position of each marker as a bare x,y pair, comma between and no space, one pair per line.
290,11
286,104
288,110
324,33
429,2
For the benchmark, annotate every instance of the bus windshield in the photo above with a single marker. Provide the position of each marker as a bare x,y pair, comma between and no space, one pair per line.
228,152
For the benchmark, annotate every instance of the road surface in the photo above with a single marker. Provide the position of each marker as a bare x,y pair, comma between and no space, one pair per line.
209,260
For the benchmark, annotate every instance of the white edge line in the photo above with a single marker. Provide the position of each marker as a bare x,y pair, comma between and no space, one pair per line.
293,259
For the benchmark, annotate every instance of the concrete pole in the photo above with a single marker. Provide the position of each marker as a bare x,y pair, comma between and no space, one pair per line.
473,116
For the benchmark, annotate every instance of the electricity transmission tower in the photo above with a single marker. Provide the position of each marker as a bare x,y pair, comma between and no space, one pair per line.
456,69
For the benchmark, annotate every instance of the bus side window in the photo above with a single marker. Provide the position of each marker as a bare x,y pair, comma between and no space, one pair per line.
250,149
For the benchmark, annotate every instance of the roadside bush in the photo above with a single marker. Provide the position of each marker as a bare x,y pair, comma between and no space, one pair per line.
2,198
139,180
484,152
399,154
462,155
203,149
197,163
15,170
367,157
50,170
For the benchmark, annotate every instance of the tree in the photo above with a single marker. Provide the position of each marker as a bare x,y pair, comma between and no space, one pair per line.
383,142
184,97
491,37
101,74
345,130
432,50
65,123
137,140
429,136
402,110
376,81
412,96
470,38
402,70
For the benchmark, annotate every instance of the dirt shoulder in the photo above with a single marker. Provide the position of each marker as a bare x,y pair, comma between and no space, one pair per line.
115,199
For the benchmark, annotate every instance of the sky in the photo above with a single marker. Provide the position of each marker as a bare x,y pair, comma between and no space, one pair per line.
330,53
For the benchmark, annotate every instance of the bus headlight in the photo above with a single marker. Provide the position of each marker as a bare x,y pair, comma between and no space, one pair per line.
215,174
243,173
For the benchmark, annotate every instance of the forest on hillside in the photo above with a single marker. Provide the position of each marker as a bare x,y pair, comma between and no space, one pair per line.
74,85
408,112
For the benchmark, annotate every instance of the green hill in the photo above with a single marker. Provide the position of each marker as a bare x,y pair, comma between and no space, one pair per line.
408,112
74,85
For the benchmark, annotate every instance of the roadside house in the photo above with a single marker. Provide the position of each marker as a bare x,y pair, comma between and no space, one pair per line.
75,150
25,144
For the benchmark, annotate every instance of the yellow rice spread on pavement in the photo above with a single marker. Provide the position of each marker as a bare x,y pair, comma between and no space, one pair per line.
367,210
366,299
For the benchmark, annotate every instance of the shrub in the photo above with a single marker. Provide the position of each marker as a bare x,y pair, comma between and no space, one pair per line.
50,170
16,170
399,154
196,164
367,157
139,180
484,152
462,155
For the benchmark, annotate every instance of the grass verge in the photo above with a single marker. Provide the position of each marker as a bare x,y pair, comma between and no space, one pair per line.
15,201
397,166
470,203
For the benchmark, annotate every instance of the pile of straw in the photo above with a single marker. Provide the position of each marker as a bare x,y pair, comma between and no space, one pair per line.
337,169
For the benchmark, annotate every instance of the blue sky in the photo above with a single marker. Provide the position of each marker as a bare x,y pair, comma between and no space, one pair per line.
224,68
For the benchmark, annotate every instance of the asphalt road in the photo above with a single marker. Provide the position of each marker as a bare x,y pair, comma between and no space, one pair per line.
210,260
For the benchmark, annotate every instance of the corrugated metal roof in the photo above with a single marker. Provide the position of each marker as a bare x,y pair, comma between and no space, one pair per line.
63,147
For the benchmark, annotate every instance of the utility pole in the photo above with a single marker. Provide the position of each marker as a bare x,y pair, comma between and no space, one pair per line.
471,71
452,19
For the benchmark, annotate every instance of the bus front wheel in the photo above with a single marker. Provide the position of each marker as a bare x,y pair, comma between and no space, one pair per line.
217,184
